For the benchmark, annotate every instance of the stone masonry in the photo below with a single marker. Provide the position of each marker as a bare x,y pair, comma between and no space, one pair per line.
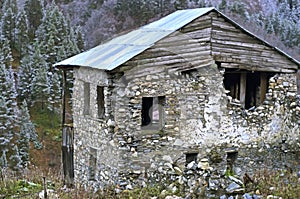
198,116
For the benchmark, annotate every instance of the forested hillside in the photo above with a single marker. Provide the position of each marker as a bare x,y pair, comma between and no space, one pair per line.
35,34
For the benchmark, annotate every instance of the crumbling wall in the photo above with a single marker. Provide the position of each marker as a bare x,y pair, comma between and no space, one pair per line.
199,117
276,121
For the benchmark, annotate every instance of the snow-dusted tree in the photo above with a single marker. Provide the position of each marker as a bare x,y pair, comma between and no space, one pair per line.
10,4
78,37
8,108
54,90
57,40
51,33
8,104
8,21
5,125
27,134
22,37
25,78
34,13
5,52
3,160
40,89
15,161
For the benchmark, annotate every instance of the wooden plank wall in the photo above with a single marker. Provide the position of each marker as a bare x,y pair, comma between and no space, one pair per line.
205,40
234,47
185,49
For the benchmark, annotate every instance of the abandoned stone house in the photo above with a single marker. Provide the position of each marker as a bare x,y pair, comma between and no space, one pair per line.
170,89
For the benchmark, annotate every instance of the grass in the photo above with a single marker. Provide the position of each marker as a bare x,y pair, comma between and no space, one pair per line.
48,126
285,184
47,122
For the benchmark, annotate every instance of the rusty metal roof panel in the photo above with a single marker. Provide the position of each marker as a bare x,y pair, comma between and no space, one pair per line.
117,51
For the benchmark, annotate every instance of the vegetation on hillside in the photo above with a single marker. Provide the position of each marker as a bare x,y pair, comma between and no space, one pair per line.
33,37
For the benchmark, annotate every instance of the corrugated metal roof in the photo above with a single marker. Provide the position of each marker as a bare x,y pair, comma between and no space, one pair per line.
117,51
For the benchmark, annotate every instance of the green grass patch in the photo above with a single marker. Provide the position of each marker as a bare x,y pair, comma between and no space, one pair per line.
47,122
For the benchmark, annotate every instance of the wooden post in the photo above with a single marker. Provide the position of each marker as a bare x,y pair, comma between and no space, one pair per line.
243,84
67,138
64,101
45,187
298,82
263,87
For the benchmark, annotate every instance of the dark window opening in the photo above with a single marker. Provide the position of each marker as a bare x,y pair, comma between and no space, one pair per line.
100,101
153,112
86,91
92,163
248,87
190,157
231,158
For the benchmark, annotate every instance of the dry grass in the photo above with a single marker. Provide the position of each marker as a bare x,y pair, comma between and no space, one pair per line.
283,184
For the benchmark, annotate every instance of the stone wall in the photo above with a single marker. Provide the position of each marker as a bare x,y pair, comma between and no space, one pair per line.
198,116
91,131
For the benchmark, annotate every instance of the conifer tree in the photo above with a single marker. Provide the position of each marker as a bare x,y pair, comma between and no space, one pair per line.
54,85
3,160
8,108
78,37
25,78
34,12
27,134
8,21
40,89
5,123
9,95
57,41
22,37
51,33
15,162
5,52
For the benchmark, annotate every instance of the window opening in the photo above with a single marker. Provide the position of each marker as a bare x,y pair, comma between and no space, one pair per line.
248,87
100,101
231,158
86,91
153,112
92,163
190,157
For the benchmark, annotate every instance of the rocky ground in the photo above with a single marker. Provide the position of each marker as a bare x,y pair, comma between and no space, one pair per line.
253,172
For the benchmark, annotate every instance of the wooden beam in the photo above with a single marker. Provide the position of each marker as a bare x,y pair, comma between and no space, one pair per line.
243,84
298,82
64,98
263,86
